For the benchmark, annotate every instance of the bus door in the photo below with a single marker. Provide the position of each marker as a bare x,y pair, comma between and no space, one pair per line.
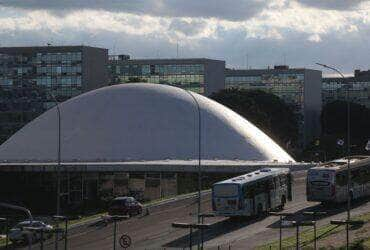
290,186
275,192
261,197
248,199
270,185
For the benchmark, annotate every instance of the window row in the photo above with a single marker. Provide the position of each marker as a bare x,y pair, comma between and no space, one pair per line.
67,56
59,80
59,69
168,79
170,69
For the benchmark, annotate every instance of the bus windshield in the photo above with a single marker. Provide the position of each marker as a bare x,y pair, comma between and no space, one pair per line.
225,190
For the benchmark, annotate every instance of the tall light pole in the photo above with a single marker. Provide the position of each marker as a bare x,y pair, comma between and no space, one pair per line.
348,148
59,153
59,161
199,154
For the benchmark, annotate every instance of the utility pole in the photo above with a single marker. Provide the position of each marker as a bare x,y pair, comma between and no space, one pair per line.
348,149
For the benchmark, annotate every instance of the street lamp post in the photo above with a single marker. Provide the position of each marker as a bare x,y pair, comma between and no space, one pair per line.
199,158
199,155
59,161
348,149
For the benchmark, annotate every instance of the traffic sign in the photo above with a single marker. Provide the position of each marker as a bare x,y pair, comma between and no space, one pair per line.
340,142
125,241
368,145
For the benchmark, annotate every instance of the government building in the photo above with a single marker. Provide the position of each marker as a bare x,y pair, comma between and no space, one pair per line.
143,140
298,87
29,75
200,75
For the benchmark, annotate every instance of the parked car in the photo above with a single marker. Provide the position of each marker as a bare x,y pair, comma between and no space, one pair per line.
125,206
19,233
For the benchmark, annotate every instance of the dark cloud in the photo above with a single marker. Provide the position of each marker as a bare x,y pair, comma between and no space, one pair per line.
188,28
333,4
222,9
343,50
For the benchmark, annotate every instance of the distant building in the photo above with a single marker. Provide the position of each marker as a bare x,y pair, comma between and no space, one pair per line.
200,75
298,87
334,88
29,74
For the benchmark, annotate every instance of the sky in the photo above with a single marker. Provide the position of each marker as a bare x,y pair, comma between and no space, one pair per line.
244,33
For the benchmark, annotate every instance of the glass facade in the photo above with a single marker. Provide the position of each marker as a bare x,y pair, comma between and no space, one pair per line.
26,81
288,86
186,76
335,89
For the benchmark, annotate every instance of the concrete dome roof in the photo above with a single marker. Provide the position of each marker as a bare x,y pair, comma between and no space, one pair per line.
140,121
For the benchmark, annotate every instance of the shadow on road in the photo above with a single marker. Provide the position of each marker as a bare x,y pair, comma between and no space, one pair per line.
215,230
330,209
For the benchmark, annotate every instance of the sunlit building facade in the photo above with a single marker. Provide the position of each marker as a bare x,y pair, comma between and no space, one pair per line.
200,75
300,88
29,75
358,86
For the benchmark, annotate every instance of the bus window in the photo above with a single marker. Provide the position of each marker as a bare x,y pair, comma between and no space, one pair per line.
248,192
225,190
270,184
259,188
282,180
355,176
363,175
367,174
341,179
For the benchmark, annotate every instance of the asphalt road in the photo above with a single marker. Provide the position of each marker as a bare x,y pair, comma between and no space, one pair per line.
154,231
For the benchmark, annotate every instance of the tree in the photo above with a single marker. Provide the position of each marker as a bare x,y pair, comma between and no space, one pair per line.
334,127
136,79
266,111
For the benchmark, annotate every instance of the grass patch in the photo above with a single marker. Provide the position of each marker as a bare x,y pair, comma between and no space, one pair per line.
306,237
86,218
3,242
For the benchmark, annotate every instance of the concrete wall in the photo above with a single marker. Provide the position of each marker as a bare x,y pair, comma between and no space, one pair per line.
214,76
312,104
94,68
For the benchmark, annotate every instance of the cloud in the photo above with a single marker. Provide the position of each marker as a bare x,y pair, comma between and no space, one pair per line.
221,9
187,27
333,4
314,38
268,32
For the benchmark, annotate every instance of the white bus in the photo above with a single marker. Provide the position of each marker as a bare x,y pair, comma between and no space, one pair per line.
327,182
253,193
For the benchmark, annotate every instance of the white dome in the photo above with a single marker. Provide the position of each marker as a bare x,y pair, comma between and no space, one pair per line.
140,121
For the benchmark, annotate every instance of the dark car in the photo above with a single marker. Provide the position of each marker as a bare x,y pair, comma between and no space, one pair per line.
125,206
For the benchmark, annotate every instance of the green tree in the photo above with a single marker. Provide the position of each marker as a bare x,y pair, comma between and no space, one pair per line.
334,127
135,79
266,111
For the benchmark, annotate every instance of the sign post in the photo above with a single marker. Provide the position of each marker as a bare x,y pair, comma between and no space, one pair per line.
281,215
116,218
314,215
347,223
190,226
